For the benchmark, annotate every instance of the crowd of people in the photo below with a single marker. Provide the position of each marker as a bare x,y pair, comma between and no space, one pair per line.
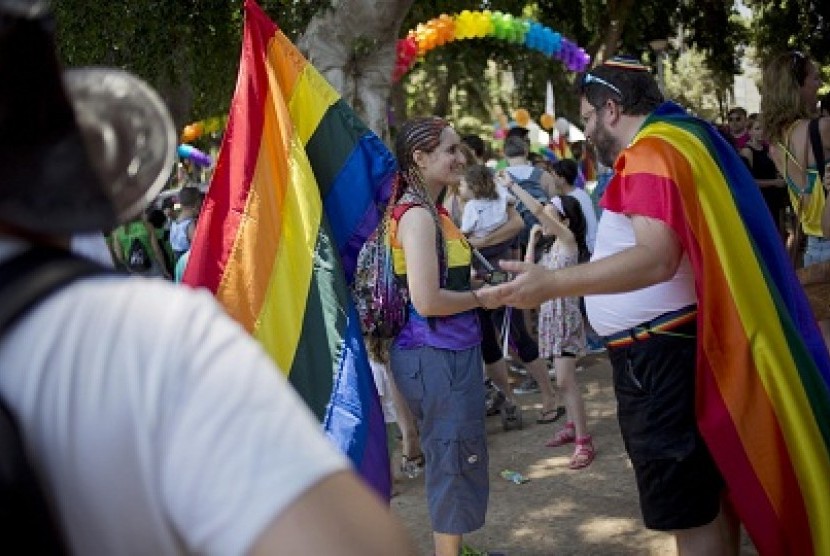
197,412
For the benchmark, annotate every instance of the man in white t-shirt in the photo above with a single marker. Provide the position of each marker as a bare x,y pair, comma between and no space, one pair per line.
640,280
154,423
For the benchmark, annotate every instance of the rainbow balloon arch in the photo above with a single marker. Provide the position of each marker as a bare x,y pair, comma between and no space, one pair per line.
479,24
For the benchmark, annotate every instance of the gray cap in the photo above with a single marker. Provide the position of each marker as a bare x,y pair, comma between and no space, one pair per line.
79,151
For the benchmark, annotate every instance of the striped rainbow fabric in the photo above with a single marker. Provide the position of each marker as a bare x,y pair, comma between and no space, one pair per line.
296,191
763,372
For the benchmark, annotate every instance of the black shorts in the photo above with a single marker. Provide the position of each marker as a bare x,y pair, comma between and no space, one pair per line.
654,379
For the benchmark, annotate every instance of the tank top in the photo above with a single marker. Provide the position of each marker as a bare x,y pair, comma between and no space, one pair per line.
455,332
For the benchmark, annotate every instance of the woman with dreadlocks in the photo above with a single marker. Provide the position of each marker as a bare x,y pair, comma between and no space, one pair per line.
436,358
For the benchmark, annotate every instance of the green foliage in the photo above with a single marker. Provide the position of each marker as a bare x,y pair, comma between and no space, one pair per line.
187,49
690,83
802,25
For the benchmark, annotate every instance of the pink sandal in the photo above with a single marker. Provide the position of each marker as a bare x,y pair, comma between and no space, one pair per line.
565,435
583,454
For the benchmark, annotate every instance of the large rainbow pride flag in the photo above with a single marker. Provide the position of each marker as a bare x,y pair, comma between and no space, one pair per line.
296,191
763,372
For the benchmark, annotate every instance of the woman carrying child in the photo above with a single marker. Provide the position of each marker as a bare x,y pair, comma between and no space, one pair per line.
486,206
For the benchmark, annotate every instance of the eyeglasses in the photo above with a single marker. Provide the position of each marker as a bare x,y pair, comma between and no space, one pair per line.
735,118
591,112
589,78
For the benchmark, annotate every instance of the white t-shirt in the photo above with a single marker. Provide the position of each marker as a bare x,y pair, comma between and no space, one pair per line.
156,424
590,216
609,313
481,217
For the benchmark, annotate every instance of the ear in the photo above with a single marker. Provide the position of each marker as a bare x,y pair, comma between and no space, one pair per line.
613,112
420,158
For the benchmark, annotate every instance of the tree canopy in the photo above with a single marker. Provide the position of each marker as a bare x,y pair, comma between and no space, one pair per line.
189,49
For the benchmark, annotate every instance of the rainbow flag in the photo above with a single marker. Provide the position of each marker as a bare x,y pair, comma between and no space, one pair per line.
763,372
296,191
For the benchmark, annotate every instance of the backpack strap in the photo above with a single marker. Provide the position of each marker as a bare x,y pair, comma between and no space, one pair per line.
815,143
34,274
25,280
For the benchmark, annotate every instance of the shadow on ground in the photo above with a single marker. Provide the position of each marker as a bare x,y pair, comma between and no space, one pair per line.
593,511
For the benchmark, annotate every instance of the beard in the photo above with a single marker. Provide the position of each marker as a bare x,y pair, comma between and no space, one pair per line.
607,146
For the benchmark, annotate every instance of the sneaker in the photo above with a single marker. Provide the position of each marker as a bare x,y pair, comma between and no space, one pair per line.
528,386
412,467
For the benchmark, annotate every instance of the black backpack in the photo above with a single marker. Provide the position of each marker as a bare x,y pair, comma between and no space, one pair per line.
533,185
138,259
27,525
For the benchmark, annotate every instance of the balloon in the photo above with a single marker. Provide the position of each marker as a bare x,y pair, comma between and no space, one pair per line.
562,126
189,133
478,24
546,120
194,155
522,117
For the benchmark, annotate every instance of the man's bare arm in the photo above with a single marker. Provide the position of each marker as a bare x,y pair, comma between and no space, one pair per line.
653,259
338,515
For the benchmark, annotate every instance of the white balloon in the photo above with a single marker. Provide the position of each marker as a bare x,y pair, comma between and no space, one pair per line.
563,126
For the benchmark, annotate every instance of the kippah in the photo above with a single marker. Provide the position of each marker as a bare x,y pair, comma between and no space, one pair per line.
626,62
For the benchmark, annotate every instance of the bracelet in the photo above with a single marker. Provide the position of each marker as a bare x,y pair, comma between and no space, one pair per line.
478,301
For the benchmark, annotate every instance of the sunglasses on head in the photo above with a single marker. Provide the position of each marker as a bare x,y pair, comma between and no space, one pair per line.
589,79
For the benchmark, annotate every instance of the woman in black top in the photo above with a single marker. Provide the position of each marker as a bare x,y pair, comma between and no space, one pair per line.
773,188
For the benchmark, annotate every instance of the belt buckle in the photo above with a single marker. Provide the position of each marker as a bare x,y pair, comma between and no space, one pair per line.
633,331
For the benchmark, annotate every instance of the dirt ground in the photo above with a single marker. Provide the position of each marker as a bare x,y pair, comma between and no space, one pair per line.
593,511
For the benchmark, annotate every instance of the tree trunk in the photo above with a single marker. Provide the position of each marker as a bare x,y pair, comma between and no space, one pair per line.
605,45
353,45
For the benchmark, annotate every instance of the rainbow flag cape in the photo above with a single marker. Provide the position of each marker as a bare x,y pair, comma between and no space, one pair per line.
763,372
299,185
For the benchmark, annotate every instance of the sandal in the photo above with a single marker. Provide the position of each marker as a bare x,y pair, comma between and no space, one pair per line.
412,467
551,415
565,435
583,454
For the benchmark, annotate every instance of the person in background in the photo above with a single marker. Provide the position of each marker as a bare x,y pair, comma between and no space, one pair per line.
762,168
561,332
182,229
412,459
737,127
155,424
788,108
137,250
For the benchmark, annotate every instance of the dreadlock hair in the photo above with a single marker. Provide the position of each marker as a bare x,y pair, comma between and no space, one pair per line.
420,134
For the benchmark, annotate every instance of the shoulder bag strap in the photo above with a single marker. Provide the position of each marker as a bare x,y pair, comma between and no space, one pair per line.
33,275
815,143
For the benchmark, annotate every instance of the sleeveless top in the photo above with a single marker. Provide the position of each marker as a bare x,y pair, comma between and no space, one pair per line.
455,332
811,196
